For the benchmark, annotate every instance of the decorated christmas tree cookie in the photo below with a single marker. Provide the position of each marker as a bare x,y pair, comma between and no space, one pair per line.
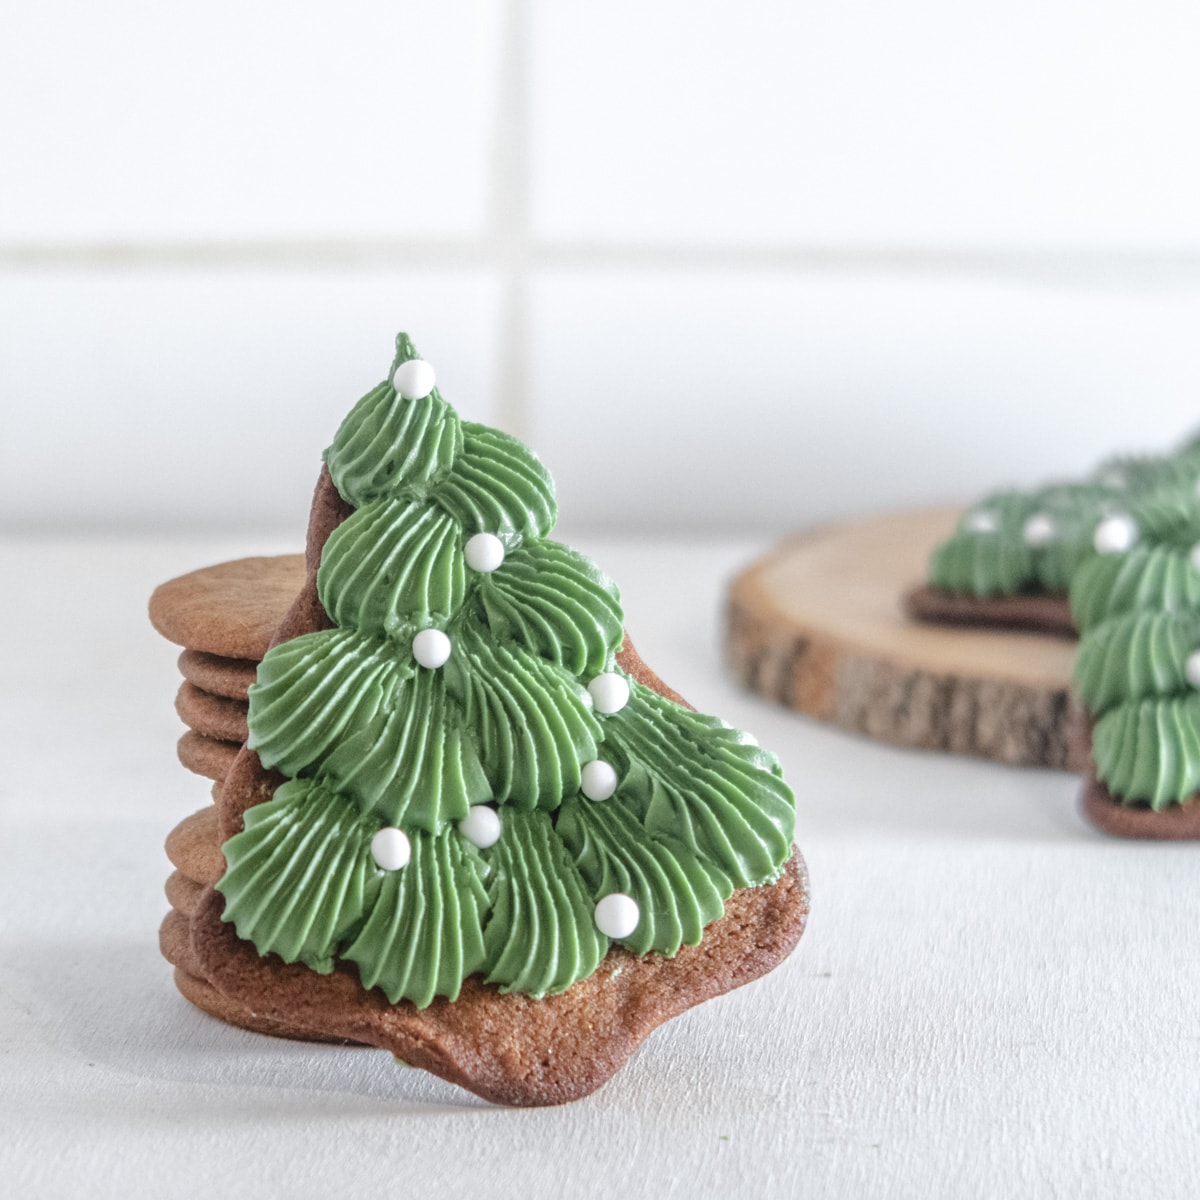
1137,605
469,825
1014,554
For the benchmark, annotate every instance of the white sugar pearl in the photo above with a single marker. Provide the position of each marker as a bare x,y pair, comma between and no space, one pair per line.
609,692
598,780
431,648
484,552
1039,530
617,915
981,522
1115,535
414,379
1191,669
391,849
481,826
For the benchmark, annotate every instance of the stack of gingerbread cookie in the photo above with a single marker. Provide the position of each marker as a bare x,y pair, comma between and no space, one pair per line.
224,617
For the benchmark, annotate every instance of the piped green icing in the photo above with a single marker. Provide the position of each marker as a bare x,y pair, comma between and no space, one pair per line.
424,933
1148,578
498,486
992,552
1074,511
413,762
731,806
1135,656
555,603
369,739
1167,515
1140,474
1149,750
388,447
1139,613
300,874
313,691
677,891
540,937
532,720
986,555
1033,542
392,565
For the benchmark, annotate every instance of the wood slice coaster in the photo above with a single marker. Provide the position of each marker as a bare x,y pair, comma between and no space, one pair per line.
819,625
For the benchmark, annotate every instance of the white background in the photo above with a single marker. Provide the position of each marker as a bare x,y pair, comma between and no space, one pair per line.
727,269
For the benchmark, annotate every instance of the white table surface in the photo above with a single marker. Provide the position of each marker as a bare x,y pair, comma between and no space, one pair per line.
990,1000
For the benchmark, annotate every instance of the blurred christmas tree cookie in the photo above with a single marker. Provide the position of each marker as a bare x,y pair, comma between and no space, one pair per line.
1138,669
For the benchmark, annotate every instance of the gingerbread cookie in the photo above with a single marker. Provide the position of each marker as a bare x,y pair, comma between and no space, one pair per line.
470,826
230,610
219,676
207,756
211,716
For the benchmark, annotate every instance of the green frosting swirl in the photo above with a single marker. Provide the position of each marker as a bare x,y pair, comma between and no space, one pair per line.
1016,542
1135,656
301,875
987,555
1148,577
1139,612
1140,474
1148,751
1074,512
555,603
368,739
424,934
391,566
389,448
540,937
532,720
498,486
676,890
730,806
994,550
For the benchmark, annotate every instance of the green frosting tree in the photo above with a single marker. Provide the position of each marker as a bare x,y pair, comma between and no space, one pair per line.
1138,667
473,784
1031,542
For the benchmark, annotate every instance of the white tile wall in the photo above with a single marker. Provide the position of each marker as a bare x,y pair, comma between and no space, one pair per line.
174,398
868,123
738,400
136,120
723,268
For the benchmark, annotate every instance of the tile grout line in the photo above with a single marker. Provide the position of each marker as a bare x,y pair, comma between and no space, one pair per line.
509,221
